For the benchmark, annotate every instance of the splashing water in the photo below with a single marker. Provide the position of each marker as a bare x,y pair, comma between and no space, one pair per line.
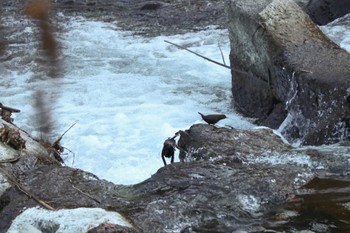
126,93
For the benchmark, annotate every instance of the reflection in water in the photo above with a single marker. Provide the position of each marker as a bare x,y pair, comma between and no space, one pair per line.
325,207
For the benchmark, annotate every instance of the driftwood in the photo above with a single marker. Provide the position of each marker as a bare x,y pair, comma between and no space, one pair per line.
6,112
197,54
9,108
210,60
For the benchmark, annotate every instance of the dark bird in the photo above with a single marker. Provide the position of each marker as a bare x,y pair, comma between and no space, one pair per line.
212,119
169,149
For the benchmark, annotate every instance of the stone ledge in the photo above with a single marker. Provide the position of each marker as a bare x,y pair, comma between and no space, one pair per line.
289,67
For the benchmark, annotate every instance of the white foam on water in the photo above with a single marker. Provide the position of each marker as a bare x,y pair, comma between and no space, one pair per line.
339,31
126,93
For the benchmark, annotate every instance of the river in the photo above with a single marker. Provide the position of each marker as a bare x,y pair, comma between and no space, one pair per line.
126,94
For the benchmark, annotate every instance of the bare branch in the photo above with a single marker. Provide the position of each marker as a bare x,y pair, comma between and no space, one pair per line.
59,139
13,180
84,193
206,58
222,54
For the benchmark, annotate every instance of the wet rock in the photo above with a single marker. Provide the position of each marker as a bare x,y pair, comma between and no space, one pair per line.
12,203
210,143
111,228
150,18
230,180
4,185
147,18
325,11
2,39
11,4
218,196
286,68
217,188
151,6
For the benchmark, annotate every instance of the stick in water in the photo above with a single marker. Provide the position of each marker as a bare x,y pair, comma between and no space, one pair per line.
222,54
208,59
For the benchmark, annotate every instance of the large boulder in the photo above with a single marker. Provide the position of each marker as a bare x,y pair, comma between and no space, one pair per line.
226,182
32,176
286,70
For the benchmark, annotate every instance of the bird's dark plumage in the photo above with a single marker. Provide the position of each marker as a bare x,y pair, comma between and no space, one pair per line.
168,149
212,119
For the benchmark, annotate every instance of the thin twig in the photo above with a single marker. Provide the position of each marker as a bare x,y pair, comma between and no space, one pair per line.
59,139
222,54
22,189
210,60
72,154
197,54
84,193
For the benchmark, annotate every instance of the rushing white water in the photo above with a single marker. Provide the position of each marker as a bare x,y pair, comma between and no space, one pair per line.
339,31
126,93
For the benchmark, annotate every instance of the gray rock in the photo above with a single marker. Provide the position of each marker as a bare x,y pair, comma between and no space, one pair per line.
285,66
4,184
325,11
112,228
228,181
150,18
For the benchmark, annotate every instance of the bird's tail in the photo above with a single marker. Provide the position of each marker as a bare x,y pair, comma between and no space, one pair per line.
200,114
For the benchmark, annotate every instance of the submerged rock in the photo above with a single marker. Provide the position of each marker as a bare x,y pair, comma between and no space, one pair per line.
286,69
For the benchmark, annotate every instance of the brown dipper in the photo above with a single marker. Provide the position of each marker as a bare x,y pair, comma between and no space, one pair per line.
212,119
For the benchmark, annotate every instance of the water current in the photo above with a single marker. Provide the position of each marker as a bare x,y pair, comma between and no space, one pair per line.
127,94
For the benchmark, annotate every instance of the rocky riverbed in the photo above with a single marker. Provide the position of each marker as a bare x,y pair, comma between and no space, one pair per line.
230,180
148,18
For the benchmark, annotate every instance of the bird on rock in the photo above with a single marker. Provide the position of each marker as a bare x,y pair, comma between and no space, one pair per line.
212,119
169,149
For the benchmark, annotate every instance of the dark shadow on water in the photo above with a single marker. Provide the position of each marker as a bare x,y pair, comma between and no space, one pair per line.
325,207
